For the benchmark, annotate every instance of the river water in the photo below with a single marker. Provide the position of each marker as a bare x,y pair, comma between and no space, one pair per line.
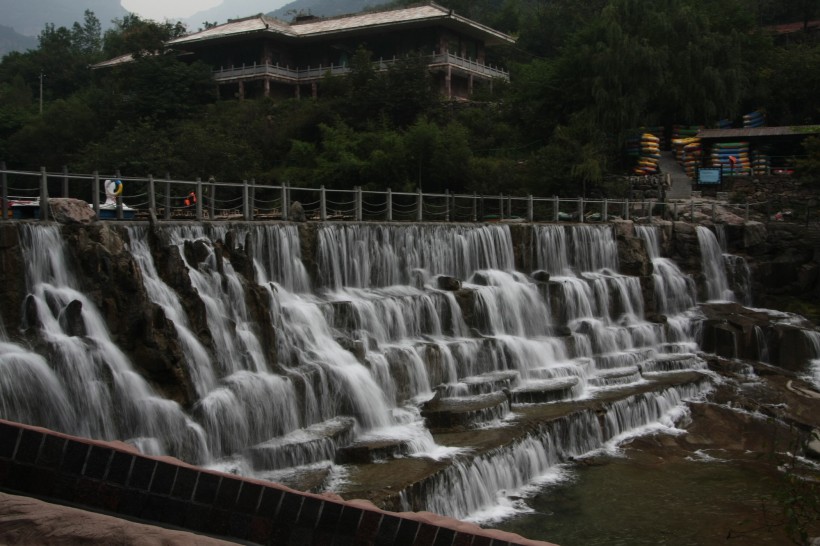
639,498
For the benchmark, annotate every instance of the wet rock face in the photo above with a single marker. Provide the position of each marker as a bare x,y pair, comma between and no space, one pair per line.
12,277
112,279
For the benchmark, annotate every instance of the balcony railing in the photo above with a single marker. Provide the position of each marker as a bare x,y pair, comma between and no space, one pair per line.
314,73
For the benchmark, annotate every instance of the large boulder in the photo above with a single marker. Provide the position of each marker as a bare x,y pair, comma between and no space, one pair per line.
70,211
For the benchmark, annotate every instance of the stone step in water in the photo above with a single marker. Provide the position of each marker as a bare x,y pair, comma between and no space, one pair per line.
501,456
674,363
577,368
466,412
544,390
622,359
616,376
305,446
677,347
372,451
480,384
313,478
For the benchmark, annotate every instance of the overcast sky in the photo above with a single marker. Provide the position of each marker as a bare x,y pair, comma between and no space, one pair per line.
159,10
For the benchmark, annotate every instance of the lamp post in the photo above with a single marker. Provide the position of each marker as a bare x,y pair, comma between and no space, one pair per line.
41,92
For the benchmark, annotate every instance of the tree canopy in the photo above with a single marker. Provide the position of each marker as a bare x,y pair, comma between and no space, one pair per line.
585,76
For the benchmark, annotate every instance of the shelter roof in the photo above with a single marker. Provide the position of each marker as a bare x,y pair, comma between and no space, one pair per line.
334,26
752,132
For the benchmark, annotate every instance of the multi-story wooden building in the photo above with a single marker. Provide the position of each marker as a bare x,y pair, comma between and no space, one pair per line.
261,55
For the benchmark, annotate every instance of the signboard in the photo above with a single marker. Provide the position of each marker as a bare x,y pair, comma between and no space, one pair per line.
709,175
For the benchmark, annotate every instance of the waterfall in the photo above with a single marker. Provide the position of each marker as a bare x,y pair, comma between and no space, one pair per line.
814,365
200,366
714,269
109,399
675,292
364,256
294,369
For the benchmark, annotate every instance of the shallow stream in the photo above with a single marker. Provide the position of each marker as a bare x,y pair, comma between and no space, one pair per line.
643,499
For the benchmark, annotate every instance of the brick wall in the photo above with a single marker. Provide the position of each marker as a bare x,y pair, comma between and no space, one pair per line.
103,477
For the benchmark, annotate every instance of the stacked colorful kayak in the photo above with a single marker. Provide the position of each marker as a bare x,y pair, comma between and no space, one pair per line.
732,158
754,119
761,164
685,131
650,155
688,152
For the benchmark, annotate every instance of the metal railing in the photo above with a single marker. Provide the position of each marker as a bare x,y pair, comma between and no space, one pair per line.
25,194
308,74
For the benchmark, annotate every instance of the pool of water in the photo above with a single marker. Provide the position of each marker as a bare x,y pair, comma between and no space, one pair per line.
642,499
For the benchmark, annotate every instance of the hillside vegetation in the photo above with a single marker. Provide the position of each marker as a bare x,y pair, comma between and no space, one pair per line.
585,75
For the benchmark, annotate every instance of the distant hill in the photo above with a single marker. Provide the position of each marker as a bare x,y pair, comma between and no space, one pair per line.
237,9
325,8
10,40
29,17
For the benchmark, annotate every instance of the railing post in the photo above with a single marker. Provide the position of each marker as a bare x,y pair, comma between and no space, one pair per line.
95,194
65,180
581,209
420,203
626,209
285,204
501,207
167,196
4,190
475,207
198,199
211,198
692,209
358,203
481,208
675,211
446,205
746,214
43,194
246,204
556,204
389,205
530,208
509,206
605,211
152,198
322,203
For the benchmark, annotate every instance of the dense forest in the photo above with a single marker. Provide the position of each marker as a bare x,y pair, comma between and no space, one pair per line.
585,75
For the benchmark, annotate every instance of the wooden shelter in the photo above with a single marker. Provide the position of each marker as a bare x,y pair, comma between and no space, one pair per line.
261,55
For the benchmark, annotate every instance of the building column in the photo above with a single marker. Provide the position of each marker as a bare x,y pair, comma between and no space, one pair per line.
241,90
448,82
470,85
298,92
314,90
267,87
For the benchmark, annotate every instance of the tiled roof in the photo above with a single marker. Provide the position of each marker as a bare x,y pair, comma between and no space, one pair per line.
751,132
322,26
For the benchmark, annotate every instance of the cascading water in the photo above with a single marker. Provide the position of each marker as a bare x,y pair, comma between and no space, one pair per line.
360,349
675,292
714,269
108,398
